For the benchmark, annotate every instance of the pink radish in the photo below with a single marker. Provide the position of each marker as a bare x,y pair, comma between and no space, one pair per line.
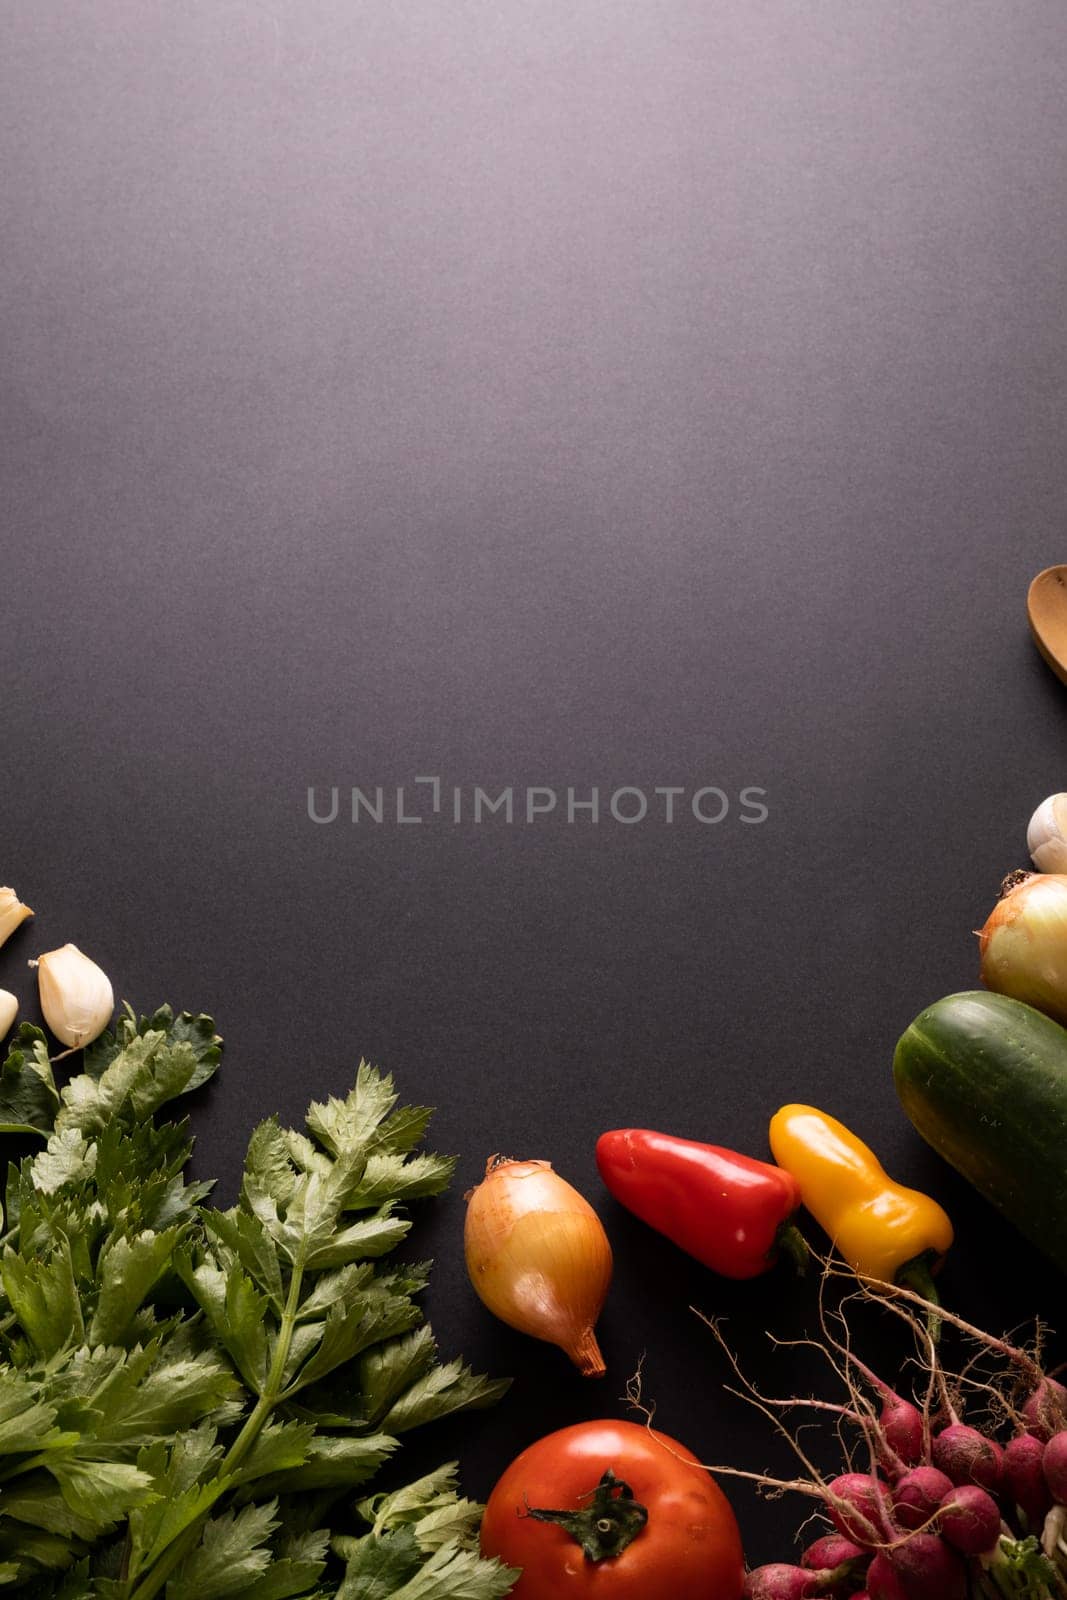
1045,1413
928,1569
883,1581
917,1495
902,1429
970,1520
831,1551
967,1456
779,1582
1024,1479
857,1507
1054,1466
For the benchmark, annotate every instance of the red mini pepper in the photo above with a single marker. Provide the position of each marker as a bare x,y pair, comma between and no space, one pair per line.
729,1211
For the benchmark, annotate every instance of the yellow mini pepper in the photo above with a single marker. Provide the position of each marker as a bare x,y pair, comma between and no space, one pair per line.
881,1228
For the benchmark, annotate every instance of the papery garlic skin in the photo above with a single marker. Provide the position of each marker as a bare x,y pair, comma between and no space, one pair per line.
12,913
539,1258
76,995
9,1010
1046,837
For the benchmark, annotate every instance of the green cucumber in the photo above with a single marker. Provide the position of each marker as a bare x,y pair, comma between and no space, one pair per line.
984,1080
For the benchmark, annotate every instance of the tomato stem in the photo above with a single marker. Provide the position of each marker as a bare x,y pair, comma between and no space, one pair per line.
611,1521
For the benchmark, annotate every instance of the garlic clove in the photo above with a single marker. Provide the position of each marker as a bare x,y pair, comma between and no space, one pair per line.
1046,837
12,913
9,1010
76,995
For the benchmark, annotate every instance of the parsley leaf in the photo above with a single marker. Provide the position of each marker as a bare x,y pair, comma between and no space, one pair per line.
197,1032
28,1096
188,1395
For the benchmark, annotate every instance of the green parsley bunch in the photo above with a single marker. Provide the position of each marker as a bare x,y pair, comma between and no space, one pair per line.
190,1397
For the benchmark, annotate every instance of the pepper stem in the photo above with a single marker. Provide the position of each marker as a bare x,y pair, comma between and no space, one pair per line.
918,1276
792,1243
611,1521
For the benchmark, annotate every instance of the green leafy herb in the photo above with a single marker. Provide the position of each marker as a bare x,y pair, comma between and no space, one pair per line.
191,1398
28,1096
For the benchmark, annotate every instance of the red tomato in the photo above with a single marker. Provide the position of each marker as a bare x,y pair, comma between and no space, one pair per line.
688,1549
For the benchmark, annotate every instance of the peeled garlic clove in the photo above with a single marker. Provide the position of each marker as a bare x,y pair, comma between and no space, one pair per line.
12,913
1046,837
9,1010
76,995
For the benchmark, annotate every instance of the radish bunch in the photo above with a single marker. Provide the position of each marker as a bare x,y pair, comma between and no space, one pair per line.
942,1509
943,1525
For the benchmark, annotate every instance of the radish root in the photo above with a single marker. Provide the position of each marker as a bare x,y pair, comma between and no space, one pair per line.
993,1378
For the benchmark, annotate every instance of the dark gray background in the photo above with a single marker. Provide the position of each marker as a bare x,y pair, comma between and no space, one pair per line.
560,393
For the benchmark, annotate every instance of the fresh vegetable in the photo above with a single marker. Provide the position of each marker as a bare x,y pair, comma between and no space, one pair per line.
539,1258
1045,1411
1046,836
883,1580
730,1212
1024,1478
984,1080
883,1230
1023,945
76,995
902,1426
926,1567
917,1495
911,1532
9,1010
616,1511
1054,1466
965,1456
12,913
28,1095
969,1518
833,1551
191,1398
781,1582
858,1509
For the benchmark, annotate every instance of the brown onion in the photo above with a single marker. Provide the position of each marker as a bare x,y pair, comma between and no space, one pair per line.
1023,945
539,1258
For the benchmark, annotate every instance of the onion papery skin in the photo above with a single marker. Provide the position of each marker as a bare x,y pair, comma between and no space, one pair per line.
539,1258
1023,945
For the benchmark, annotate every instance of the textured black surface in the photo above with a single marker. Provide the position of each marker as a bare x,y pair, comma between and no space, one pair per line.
559,394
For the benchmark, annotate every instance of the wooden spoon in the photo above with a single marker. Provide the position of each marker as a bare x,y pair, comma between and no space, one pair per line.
1046,606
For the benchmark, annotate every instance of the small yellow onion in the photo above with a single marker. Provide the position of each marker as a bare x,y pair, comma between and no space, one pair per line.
12,913
76,995
1023,945
539,1258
